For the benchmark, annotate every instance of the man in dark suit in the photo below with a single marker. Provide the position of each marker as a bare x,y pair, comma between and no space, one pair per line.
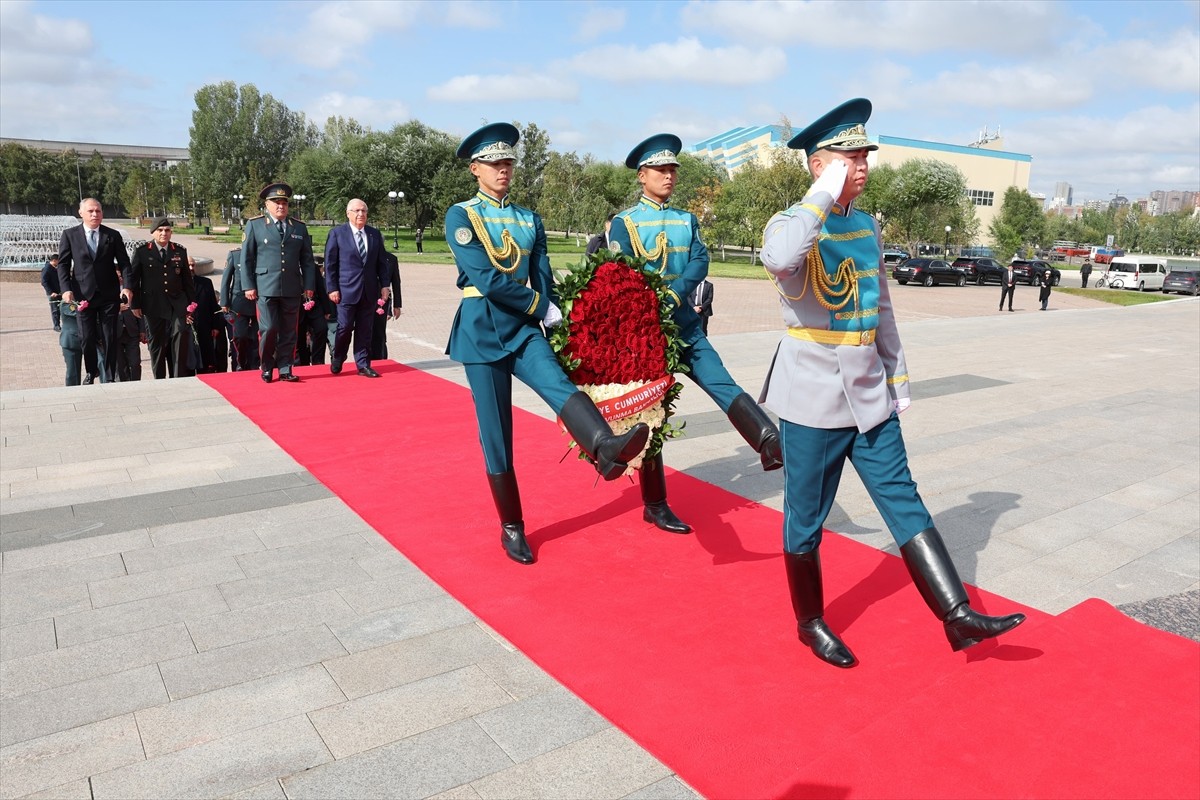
92,266
162,283
51,288
393,308
208,325
356,275
1008,286
278,269
241,314
702,299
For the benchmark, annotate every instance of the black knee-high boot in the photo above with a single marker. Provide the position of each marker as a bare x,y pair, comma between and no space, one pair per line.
757,429
933,572
590,430
512,521
808,601
654,497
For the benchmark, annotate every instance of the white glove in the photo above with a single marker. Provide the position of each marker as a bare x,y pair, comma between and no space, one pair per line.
553,316
902,404
832,180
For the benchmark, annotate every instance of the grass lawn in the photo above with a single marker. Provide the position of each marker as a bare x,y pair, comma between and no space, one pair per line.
1118,297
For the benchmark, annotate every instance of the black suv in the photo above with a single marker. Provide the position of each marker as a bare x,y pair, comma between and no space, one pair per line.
980,269
1032,271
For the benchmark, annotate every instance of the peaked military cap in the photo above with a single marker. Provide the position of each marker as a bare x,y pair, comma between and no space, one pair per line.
276,191
843,128
659,150
494,142
162,222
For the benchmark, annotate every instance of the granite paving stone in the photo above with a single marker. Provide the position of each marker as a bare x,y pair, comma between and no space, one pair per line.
63,758
164,581
152,558
374,720
401,622
58,589
136,615
255,622
410,585
290,558
278,586
271,790
670,788
541,723
72,545
243,706
26,639
422,765
36,673
76,790
220,767
42,713
247,661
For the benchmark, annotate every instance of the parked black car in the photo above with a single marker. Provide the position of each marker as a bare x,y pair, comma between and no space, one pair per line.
1184,281
1032,271
927,272
893,256
979,269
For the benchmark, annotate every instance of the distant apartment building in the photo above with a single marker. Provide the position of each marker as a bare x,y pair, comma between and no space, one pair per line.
1063,195
1169,202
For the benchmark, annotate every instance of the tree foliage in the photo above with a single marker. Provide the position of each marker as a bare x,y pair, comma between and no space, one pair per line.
1019,223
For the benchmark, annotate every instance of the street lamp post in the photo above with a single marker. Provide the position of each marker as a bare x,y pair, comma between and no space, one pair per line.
393,198
300,198
237,206
947,250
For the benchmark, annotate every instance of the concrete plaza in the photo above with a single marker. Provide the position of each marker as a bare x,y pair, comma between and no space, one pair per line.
186,612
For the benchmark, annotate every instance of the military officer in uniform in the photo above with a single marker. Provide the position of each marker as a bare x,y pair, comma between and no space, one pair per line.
669,240
241,313
278,269
162,290
838,382
504,275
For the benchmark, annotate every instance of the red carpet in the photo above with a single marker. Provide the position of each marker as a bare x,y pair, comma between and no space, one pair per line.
688,643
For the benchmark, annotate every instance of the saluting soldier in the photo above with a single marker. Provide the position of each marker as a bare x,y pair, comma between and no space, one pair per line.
504,275
162,291
240,312
669,239
838,382
277,270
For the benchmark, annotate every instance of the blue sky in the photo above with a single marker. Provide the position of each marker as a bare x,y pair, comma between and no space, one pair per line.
1104,95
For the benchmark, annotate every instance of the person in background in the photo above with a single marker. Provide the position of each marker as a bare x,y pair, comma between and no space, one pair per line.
71,343
392,308
312,336
208,325
51,288
600,240
241,315
702,300
1044,290
130,337
1085,272
839,381
1008,285
420,239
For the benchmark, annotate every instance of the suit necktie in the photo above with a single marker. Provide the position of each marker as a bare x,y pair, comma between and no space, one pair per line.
93,244
362,246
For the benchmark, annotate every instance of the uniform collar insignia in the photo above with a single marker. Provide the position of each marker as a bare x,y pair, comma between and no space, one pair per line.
492,201
657,206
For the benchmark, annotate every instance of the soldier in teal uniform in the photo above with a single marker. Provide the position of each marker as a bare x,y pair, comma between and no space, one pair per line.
669,239
838,382
277,270
504,275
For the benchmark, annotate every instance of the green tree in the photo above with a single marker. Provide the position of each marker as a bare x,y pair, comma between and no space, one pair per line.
924,195
569,203
1019,223
533,153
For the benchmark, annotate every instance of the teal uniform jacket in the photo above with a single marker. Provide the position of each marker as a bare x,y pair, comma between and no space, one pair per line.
277,267
686,261
498,312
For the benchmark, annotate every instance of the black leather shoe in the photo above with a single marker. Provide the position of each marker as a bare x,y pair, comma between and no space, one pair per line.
289,377
335,366
664,518
367,372
512,536
88,380
266,376
825,644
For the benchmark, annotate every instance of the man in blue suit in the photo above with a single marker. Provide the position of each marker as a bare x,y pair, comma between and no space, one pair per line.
504,276
357,277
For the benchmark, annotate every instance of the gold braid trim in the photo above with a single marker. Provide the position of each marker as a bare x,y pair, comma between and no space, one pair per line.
660,245
843,285
508,251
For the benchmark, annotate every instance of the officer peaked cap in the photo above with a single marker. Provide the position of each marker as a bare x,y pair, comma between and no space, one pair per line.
843,128
494,142
276,191
659,150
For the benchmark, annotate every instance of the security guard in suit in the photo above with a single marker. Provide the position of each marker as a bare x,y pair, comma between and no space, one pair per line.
278,269
838,382
504,275
669,240
162,291
240,313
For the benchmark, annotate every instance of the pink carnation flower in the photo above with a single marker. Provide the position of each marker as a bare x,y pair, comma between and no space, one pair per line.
308,305
191,309
83,304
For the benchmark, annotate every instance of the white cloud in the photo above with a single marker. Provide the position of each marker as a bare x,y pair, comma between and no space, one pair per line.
381,115
598,22
504,88
341,30
1027,87
470,14
875,25
686,60
1171,65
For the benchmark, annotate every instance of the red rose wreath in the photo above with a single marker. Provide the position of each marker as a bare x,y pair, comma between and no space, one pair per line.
618,343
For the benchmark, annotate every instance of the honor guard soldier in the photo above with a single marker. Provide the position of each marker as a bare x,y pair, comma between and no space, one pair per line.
241,313
669,240
838,382
278,269
504,275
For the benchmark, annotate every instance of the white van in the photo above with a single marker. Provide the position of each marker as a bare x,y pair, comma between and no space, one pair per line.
1137,272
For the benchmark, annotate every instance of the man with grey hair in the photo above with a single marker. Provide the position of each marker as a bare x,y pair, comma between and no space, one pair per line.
92,268
359,281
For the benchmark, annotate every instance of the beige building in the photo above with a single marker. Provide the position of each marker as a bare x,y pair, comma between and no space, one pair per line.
988,168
